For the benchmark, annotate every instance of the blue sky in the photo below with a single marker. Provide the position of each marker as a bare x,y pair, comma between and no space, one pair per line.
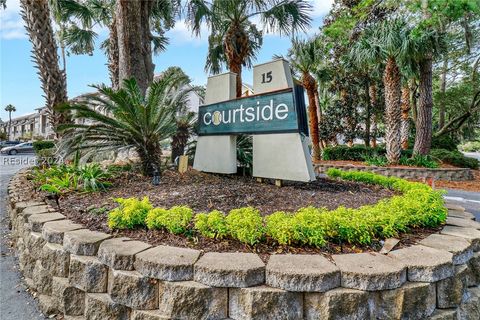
20,86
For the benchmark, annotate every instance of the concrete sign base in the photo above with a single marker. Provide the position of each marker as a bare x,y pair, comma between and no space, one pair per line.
282,156
218,153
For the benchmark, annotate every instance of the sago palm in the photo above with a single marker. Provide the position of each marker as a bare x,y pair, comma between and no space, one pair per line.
235,40
125,120
387,42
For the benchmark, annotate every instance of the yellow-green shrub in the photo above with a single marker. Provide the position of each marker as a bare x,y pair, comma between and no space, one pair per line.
211,225
175,220
279,226
245,225
130,213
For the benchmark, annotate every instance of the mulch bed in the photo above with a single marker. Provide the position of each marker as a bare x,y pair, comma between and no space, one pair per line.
205,192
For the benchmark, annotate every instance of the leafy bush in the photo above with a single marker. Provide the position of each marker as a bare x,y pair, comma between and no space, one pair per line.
245,225
354,153
279,226
471,146
419,160
455,158
43,144
46,157
211,225
444,142
174,220
130,213
63,178
418,206
379,161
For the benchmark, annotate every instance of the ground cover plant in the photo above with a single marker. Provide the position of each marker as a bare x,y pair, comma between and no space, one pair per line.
418,206
61,179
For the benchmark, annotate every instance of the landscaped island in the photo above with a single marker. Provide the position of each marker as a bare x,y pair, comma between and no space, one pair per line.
346,212
79,272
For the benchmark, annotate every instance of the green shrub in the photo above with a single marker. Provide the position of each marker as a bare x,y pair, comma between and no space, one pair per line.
419,160
130,213
455,158
94,178
175,220
308,227
280,227
444,142
43,144
354,153
211,225
46,157
471,146
245,225
379,161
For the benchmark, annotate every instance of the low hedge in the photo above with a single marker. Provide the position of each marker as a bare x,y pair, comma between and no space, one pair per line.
43,144
417,206
357,153
455,158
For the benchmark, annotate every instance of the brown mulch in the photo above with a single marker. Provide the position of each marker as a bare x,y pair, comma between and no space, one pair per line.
469,185
205,192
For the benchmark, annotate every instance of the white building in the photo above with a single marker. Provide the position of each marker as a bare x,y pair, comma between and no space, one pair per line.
35,125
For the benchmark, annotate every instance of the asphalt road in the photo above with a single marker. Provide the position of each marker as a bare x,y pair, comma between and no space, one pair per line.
15,303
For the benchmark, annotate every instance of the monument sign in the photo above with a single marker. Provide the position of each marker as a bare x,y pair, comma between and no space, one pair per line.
275,116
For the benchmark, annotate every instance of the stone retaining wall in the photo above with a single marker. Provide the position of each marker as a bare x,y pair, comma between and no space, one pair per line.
453,174
84,274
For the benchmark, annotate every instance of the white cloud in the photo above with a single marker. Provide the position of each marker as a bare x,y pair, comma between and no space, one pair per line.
321,7
11,23
181,34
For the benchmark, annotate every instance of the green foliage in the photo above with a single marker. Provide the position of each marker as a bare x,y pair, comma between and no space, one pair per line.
130,213
175,220
471,146
419,160
455,158
245,225
43,144
126,119
444,142
211,225
68,178
379,161
46,157
418,206
354,153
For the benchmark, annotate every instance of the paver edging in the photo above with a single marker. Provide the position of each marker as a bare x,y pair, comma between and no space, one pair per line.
294,276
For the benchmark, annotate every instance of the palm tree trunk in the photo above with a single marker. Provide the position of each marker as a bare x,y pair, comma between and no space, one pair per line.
113,64
9,124
237,69
423,137
405,128
134,43
372,93
310,87
391,80
36,15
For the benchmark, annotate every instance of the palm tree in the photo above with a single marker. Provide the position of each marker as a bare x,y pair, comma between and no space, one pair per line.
125,119
386,42
10,108
405,106
77,21
303,57
36,15
235,40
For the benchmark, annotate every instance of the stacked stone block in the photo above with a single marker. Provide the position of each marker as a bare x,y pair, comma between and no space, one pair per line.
453,174
84,274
